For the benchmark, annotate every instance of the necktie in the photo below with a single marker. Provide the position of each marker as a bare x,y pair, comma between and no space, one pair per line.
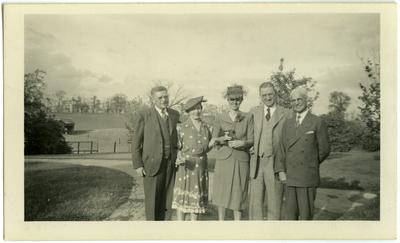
268,115
164,116
298,120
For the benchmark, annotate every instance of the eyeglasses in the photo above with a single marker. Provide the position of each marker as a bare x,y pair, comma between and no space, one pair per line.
235,99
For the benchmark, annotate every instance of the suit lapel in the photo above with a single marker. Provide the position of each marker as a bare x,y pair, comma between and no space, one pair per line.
225,117
304,126
154,117
170,121
277,116
258,120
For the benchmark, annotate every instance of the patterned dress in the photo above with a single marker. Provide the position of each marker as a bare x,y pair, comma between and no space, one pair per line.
191,181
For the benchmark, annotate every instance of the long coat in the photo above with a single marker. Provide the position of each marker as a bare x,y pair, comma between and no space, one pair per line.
303,149
147,142
280,115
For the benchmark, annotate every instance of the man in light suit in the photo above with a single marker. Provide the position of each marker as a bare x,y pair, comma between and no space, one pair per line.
268,120
154,149
304,146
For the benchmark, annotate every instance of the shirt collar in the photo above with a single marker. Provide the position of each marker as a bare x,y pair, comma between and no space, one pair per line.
302,115
160,111
271,109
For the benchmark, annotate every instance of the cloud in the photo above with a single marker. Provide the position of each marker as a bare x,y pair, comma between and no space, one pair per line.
43,51
344,79
105,79
33,37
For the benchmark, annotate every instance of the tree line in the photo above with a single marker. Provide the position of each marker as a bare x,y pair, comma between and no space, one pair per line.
44,135
116,104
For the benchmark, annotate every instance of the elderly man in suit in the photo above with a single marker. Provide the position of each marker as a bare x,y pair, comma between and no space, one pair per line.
264,183
304,145
154,150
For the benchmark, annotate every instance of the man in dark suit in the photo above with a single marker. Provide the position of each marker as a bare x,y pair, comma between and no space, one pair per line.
154,149
264,184
304,146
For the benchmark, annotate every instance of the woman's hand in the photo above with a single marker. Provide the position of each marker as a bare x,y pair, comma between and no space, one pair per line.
141,171
219,140
180,160
282,177
236,143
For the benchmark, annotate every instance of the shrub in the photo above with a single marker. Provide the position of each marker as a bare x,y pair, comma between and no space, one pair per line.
44,135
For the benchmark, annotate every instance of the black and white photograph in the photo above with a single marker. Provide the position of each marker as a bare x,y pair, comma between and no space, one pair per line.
204,116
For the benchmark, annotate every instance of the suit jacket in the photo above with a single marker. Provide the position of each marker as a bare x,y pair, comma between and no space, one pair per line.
242,129
302,150
147,142
280,115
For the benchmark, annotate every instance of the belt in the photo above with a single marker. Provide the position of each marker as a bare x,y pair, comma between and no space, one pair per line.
197,155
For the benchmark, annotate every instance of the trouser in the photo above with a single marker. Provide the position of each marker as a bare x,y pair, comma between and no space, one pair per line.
299,203
158,192
265,186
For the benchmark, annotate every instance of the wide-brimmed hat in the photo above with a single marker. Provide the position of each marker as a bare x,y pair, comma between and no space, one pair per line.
191,103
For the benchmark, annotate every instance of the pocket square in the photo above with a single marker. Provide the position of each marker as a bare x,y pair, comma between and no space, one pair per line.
310,132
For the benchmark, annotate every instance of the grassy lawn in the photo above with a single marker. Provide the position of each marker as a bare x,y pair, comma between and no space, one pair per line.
353,170
103,139
64,192
369,211
91,121
346,181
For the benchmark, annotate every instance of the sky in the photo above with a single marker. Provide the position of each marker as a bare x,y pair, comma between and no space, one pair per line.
103,55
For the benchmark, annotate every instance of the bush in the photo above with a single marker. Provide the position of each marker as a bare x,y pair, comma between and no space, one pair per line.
44,135
371,141
342,134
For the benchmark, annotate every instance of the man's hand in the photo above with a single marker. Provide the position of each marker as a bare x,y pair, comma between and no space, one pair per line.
236,143
223,139
140,171
282,176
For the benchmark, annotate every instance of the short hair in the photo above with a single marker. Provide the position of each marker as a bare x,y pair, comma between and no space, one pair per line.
157,89
301,90
266,85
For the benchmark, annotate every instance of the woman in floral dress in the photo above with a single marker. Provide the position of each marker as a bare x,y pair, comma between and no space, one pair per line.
191,181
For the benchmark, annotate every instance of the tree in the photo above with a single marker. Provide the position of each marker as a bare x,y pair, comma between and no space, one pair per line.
34,85
134,105
43,134
370,109
60,95
177,94
285,82
95,104
339,102
339,130
118,103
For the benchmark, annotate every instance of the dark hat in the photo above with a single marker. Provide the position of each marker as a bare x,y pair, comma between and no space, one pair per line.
193,102
235,91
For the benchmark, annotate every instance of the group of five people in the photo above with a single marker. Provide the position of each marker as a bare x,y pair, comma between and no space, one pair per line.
268,156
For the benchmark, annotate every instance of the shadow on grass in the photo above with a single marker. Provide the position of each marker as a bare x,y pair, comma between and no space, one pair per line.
340,183
79,132
337,155
369,211
73,193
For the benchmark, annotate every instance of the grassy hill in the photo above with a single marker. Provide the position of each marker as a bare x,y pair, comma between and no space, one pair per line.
92,121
